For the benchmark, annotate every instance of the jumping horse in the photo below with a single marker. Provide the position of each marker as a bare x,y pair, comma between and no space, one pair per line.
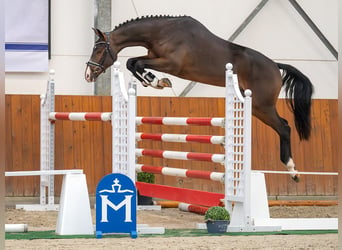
183,47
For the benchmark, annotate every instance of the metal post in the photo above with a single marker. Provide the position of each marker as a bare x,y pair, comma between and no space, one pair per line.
131,127
102,21
247,153
51,153
47,142
44,138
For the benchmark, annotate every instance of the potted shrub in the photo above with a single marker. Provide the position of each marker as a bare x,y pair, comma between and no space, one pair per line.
217,219
148,178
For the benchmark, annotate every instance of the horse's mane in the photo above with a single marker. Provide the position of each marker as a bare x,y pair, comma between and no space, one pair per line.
146,18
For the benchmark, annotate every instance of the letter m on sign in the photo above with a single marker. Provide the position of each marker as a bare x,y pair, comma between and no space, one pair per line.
126,204
116,205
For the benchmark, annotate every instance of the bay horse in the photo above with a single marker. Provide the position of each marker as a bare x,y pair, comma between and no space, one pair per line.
183,47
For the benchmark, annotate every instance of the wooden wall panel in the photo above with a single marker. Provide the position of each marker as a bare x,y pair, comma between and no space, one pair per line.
87,145
22,143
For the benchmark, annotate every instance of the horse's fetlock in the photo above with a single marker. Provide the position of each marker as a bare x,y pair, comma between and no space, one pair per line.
290,165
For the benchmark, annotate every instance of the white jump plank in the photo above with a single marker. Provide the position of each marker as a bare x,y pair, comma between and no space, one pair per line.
44,172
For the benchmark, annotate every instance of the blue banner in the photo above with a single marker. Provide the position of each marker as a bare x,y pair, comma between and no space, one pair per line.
26,35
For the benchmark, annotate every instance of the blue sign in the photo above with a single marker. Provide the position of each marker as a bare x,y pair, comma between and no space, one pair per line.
116,205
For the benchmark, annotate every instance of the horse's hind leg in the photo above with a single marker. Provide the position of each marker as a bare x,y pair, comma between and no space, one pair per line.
270,117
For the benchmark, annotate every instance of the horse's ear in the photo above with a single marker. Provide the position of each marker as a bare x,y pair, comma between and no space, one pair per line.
99,33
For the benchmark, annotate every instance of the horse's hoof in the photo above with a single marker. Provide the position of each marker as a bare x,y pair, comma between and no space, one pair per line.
165,83
296,178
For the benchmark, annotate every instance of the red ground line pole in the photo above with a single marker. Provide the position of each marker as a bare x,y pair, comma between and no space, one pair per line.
190,196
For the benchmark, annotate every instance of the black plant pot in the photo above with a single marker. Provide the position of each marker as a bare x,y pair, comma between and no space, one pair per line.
217,226
144,200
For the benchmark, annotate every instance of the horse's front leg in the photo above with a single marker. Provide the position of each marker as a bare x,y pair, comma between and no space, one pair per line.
145,77
131,66
152,63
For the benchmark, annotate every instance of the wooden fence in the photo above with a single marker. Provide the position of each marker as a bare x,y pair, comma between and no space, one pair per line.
87,145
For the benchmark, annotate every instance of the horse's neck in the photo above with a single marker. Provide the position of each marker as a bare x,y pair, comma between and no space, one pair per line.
130,36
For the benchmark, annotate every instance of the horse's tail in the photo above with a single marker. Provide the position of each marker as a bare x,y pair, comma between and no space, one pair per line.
298,89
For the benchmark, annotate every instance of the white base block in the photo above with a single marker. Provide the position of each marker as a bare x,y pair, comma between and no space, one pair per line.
259,201
259,228
306,223
146,229
257,209
149,207
74,215
279,224
266,228
37,207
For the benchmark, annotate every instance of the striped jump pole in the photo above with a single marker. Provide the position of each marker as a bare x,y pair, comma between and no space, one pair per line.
182,121
210,139
206,175
80,116
178,155
192,208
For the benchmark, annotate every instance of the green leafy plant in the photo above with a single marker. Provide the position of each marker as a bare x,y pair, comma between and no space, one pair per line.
217,213
148,178
145,177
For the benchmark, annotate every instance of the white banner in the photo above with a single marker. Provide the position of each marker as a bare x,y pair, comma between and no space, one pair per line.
26,35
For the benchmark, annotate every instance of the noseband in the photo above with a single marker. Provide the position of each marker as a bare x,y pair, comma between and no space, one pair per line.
108,50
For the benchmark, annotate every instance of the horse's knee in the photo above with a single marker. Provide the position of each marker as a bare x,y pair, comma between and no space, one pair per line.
130,65
139,66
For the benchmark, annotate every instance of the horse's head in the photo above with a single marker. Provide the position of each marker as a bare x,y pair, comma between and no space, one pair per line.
102,57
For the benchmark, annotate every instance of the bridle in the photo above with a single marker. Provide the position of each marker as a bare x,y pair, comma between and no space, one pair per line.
108,50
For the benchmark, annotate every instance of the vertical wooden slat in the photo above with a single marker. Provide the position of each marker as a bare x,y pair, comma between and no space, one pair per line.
10,190
35,150
16,117
107,136
62,157
95,146
27,142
